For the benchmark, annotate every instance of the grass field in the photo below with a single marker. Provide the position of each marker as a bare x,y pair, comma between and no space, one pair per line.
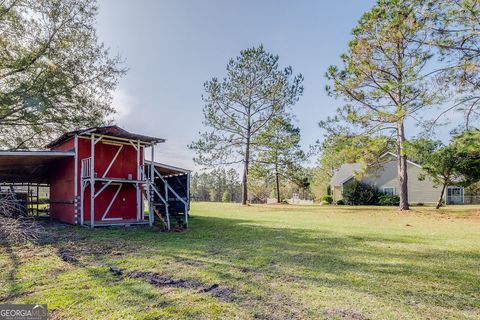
269,262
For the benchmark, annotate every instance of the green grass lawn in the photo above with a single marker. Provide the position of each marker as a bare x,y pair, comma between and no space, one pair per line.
270,262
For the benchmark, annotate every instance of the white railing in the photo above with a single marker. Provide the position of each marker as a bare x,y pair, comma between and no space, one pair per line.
86,170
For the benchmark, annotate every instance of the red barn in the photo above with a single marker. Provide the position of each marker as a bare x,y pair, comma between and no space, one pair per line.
99,177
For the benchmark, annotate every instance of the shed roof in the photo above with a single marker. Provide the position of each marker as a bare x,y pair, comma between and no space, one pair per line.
28,166
168,170
345,173
113,131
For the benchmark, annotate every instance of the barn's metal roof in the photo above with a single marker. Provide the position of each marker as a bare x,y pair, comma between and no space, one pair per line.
28,166
167,170
113,131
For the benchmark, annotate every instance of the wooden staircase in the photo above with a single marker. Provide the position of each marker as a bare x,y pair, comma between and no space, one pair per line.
168,207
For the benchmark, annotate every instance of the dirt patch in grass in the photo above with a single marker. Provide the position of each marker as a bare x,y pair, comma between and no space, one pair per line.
66,255
158,280
223,294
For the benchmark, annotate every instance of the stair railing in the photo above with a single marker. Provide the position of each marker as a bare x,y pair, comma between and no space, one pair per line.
174,193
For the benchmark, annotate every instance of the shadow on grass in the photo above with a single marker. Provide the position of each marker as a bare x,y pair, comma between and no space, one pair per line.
399,268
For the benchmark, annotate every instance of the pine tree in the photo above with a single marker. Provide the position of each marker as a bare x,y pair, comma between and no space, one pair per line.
385,77
240,106
279,153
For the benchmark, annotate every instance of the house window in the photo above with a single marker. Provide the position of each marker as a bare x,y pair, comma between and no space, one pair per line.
389,190
455,195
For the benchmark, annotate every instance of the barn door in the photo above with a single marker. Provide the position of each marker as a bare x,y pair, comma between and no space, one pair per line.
107,210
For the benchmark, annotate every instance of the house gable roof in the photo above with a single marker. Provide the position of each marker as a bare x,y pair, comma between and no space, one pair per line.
388,153
345,173
347,170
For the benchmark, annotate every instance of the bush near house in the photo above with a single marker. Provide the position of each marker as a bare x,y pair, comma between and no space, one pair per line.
327,199
359,193
388,200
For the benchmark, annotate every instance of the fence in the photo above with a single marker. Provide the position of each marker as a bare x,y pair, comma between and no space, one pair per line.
463,200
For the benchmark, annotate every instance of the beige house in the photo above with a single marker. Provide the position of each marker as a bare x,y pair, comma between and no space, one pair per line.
385,178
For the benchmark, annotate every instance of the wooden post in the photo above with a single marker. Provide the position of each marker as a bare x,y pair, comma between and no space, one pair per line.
187,198
167,214
75,181
152,185
136,184
29,200
38,197
92,181
142,185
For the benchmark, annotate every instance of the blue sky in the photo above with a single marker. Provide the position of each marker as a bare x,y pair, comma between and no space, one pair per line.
172,47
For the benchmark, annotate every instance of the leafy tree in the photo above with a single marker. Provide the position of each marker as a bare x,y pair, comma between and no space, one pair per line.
438,161
240,106
385,77
233,185
302,178
258,189
473,192
200,186
455,163
226,196
55,75
218,178
467,145
279,153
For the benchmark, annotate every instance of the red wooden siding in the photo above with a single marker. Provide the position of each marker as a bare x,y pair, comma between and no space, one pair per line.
62,186
62,181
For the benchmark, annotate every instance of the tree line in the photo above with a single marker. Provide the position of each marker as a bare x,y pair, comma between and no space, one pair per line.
224,185
219,185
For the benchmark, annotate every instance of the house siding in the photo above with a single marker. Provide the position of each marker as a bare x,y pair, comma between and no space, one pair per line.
337,193
419,191
386,176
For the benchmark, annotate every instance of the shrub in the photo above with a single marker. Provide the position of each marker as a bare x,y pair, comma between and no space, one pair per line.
388,200
340,202
327,198
358,193
226,197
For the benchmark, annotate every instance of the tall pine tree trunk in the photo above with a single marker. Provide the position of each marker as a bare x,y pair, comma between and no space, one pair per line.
277,183
402,166
246,162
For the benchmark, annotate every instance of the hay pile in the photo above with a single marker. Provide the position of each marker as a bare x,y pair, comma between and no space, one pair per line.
15,227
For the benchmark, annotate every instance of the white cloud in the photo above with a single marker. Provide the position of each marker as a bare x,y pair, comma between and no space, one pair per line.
124,103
